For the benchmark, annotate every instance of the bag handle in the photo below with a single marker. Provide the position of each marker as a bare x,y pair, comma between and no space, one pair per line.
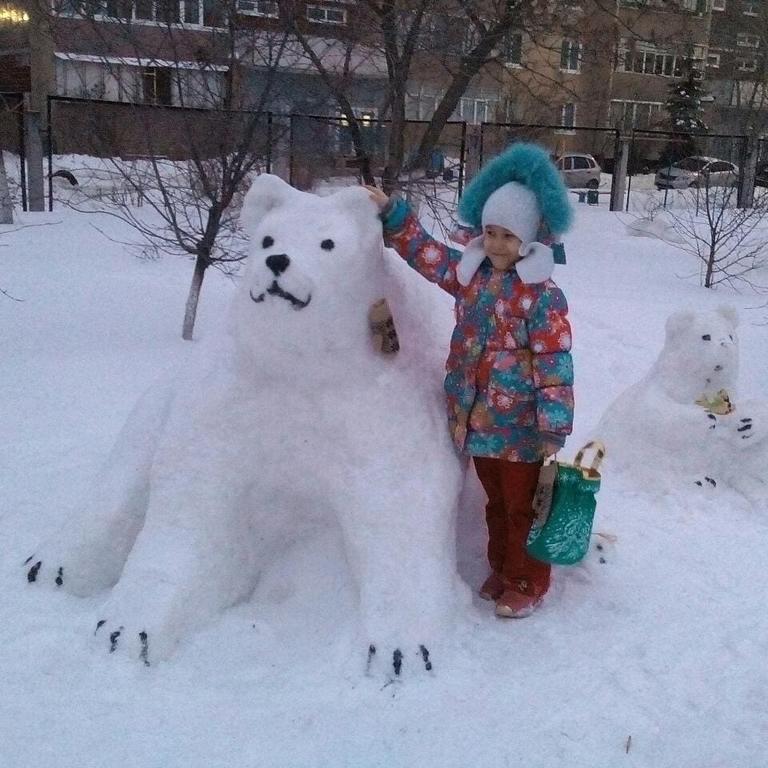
599,455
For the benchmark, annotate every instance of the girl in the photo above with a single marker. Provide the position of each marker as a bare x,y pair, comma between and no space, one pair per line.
509,371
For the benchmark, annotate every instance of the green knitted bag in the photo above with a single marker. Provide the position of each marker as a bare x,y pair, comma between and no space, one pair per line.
561,537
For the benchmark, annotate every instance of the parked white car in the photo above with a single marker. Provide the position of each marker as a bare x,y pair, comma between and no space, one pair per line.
697,171
579,170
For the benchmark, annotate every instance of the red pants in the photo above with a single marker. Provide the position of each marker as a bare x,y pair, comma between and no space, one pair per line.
511,486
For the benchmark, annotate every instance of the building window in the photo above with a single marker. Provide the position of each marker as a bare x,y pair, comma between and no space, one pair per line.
718,5
713,60
197,12
570,56
568,115
156,85
645,59
258,8
746,65
513,49
751,8
327,14
627,115
747,40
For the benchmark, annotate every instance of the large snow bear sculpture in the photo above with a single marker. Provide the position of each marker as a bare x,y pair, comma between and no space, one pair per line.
296,411
658,433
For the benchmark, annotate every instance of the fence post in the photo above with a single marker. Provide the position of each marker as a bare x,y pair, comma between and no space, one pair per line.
22,155
49,148
462,156
630,154
290,149
620,168
269,142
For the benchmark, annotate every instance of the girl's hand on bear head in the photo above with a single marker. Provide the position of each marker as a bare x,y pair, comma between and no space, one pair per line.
380,198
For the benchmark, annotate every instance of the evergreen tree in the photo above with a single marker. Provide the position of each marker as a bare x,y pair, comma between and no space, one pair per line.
684,112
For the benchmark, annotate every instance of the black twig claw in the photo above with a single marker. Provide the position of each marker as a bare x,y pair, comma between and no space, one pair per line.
712,482
99,624
397,661
144,655
28,560
745,427
33,571
425,656
113,639
60,577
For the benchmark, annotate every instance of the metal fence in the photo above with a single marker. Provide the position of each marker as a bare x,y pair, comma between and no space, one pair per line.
601,143
652,155
12,137
322,147
308,149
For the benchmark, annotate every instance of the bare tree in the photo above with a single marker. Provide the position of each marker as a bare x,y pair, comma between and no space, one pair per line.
455,41
728,241
186,155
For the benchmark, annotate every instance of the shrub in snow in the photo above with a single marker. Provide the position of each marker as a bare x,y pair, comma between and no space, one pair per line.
291,424
655,226
663,438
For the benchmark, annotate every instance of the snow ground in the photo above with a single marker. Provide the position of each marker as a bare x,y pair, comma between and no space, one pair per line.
665,642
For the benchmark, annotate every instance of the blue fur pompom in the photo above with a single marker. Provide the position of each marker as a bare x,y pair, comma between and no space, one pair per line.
528,164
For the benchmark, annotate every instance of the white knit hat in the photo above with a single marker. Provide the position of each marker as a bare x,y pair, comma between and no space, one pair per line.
514,207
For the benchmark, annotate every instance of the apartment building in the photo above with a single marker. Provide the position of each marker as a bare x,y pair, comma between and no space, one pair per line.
591,66
654,41
736,65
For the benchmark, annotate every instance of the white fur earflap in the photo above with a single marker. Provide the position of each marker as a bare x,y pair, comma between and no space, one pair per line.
471,259
537,263
267,192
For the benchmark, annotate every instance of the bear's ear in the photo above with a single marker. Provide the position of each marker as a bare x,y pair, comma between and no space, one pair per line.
357,201
678,322
730,313
266,193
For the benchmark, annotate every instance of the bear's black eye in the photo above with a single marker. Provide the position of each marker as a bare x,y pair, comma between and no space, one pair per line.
327,245
267,242
706,337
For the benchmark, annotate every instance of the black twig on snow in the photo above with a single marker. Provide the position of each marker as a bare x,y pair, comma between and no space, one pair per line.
33,571
425,656
144,654
397,661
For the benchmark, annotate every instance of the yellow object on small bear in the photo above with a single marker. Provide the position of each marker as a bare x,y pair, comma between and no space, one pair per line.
719,403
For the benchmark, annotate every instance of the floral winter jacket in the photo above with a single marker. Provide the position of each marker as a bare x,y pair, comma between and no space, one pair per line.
509,373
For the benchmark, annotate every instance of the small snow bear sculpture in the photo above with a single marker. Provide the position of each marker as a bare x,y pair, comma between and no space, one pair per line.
664,429
296,421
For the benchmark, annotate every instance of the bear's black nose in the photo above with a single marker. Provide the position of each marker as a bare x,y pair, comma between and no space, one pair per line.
278,263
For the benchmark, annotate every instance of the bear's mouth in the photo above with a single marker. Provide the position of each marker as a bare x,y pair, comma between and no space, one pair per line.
276,290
